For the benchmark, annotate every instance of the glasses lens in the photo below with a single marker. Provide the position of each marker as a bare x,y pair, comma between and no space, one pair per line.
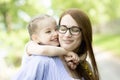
62,29
75,30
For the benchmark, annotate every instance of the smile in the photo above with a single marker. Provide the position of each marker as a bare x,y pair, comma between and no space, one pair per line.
68,41
56,40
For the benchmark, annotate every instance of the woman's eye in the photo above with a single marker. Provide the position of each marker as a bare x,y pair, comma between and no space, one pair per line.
63,29
75,29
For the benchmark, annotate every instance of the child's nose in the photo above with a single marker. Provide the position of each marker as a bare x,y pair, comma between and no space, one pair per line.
55,33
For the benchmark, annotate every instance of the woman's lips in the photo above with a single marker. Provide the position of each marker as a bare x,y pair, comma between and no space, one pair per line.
68,41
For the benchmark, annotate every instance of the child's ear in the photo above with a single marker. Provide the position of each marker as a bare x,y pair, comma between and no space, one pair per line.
34,38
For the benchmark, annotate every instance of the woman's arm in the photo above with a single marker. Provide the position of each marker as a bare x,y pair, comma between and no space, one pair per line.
46,50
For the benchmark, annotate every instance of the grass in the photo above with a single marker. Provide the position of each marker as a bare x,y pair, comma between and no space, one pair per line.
108,42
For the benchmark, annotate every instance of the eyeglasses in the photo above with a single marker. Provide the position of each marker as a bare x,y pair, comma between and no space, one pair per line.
74,30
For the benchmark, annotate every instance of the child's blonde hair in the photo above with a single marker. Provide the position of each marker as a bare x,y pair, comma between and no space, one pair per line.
32,26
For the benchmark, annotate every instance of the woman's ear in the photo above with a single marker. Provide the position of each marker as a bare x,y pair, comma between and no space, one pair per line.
35,38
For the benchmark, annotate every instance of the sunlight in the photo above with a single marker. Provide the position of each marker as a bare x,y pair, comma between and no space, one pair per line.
24,16
46,3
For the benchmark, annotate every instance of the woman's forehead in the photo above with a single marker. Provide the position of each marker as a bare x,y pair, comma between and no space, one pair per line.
68,20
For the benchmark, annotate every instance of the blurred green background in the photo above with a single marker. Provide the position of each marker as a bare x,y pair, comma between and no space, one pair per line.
15,15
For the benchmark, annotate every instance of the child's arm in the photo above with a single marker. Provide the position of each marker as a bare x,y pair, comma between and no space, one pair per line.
46,50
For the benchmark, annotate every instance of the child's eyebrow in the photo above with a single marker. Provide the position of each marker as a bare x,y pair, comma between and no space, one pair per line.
47,28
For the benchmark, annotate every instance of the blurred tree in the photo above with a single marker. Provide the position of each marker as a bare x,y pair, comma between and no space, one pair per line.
15,13
113,7
99,10
4,9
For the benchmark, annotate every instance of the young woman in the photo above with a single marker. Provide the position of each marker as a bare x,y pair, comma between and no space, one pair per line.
75,34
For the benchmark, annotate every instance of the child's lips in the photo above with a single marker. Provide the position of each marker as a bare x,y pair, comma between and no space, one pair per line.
55,40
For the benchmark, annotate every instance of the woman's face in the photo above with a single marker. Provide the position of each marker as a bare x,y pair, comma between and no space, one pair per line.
67,40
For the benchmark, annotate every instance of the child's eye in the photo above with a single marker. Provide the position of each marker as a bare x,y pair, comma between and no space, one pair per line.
56,29
48,32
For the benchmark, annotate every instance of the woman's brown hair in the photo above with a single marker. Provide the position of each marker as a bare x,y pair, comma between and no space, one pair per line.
86,45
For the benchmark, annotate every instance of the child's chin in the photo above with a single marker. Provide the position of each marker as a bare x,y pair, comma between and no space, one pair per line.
56,45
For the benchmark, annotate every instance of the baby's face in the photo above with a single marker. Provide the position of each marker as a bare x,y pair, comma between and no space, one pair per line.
47,33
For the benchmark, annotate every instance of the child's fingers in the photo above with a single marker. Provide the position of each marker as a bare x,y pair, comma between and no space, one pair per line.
72,65
77,59
68,59
73,57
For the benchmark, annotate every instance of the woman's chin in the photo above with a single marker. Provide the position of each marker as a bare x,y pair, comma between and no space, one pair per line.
68,48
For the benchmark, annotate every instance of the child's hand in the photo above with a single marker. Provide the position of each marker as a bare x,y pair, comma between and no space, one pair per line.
72,60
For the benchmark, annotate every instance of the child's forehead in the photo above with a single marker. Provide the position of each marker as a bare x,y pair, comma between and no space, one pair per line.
46,26
45,22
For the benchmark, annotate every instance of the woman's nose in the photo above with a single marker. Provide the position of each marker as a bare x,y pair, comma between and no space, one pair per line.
68,34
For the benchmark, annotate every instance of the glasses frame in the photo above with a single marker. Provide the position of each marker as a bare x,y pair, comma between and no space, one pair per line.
69,29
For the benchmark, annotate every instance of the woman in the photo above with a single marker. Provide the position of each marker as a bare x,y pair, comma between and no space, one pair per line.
75,34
